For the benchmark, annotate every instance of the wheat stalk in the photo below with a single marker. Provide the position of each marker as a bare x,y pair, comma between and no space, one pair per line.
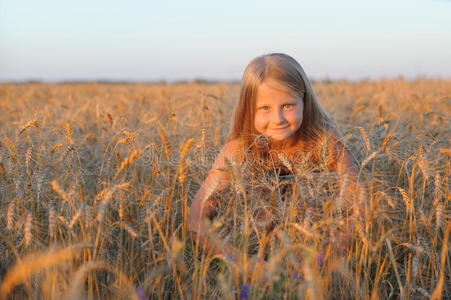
106,196
438,215
62,193
27,229
405,198
56,147
51,221
386,141
33,122
129,229
128,161
368,159
28,157
422,163
67,150
167,146
395,267
76,217
185,149
11,148
365,139
387,198
32,264
285,161
80,274
10,216
343,186
69,133
2,169
438,291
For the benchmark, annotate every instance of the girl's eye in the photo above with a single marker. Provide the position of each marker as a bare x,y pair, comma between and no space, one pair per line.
288,106
264,108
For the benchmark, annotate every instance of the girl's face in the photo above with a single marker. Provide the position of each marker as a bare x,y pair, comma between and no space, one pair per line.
278,112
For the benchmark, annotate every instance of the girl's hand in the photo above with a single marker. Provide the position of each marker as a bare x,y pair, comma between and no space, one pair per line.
343,241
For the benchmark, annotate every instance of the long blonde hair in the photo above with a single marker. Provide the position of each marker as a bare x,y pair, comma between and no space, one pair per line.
286,70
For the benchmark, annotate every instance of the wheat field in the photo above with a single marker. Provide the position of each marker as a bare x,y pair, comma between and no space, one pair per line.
96,181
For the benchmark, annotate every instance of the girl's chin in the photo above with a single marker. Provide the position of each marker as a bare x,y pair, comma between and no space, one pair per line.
277,139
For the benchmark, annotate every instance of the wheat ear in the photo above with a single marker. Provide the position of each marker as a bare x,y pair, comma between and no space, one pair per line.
33,122
128,161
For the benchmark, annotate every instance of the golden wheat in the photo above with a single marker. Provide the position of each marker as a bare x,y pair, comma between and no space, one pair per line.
113,166
33,122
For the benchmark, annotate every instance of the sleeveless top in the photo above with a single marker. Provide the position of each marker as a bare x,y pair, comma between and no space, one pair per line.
308,188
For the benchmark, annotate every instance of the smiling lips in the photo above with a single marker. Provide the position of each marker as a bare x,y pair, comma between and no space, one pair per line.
279,128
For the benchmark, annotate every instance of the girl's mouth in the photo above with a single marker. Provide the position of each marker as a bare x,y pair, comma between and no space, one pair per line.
281,128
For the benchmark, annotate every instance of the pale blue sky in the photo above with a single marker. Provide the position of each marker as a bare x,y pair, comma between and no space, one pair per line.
183,40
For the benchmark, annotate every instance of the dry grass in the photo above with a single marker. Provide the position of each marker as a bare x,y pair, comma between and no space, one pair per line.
96,181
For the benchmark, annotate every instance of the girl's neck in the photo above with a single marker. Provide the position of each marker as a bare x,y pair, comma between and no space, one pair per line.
283,145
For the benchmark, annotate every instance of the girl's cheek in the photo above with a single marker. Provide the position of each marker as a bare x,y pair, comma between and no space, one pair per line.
292,115
261,118
259,121
298,114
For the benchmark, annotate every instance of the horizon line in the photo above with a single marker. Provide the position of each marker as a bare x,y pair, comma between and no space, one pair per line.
212,81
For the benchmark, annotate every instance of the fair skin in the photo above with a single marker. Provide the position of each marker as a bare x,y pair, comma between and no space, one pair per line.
278,115
279,111
202,209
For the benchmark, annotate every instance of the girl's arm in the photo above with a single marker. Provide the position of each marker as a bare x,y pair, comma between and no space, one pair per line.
344,164
203,206
354,196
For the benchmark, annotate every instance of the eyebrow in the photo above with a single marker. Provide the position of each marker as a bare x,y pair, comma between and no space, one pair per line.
283,103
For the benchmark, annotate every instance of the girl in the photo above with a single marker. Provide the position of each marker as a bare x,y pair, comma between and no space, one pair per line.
278,125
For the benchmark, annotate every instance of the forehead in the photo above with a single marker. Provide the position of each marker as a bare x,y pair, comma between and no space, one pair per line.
270,90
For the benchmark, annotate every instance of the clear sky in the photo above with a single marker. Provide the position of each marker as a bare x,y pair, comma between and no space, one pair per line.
183,40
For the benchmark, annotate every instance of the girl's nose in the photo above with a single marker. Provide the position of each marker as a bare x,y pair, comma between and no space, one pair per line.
278,117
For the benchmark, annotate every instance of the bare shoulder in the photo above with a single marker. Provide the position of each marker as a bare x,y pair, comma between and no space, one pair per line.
334,134
234,146
343,159
233,151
